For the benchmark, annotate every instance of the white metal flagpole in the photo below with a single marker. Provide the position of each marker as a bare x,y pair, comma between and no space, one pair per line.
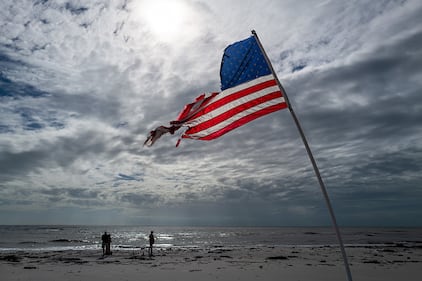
311,157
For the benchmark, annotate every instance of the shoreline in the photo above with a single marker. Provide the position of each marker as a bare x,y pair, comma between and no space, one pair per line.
367,262
165,247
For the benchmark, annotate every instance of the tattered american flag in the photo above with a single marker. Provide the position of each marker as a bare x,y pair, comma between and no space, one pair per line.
248,90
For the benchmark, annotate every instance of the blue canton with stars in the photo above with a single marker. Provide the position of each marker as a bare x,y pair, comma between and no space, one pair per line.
242,61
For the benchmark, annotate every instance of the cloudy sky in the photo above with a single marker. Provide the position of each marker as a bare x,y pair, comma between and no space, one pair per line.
83,82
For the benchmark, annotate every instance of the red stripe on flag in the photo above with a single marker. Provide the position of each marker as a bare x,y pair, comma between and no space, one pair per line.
235,96
232,111
241,121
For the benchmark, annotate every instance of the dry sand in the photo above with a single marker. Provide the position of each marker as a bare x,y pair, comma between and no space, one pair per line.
268,263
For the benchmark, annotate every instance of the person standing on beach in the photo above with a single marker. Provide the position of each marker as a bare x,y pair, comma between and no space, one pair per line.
108,244
104,241
151,242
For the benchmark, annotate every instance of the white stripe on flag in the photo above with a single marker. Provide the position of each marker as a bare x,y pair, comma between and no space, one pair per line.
241,87
231,105
233,119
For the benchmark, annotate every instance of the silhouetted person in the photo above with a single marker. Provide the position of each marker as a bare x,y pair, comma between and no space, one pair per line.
151,242
106,242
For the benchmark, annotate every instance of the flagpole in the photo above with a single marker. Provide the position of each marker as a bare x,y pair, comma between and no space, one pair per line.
311,157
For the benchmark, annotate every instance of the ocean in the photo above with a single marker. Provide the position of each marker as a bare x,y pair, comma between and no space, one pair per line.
63,237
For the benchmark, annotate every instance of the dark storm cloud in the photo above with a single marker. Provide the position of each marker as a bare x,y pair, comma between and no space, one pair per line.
371,105
61,152
396,164
13,164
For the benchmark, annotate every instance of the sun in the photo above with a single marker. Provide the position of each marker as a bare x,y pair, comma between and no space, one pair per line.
165,19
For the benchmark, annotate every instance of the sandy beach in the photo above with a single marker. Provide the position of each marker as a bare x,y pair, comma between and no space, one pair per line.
370,263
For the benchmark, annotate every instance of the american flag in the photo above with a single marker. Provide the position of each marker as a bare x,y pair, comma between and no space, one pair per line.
249,91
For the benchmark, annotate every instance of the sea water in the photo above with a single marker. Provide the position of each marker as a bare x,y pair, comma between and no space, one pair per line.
64,237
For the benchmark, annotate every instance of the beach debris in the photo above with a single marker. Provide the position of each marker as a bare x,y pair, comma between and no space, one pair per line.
277,258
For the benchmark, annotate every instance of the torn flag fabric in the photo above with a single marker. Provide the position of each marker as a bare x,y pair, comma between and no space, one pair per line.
249,91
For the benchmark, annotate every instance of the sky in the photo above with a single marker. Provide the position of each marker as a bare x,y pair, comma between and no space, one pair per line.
83,82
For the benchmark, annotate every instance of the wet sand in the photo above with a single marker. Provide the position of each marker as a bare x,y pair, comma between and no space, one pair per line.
369,263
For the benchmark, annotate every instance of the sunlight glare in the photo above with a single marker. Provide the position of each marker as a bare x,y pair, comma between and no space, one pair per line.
165,18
